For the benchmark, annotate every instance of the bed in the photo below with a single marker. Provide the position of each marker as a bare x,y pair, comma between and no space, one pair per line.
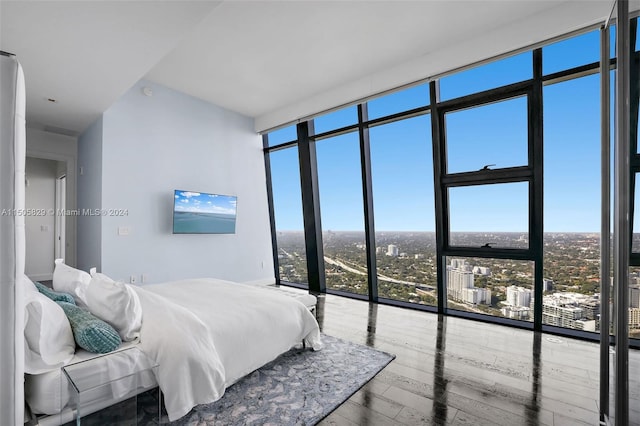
204,335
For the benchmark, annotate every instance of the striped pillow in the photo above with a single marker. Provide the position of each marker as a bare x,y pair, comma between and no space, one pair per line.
54,295
90,333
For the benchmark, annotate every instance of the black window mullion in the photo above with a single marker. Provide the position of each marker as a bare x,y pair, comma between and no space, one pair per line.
398,116
280,146
367,197
536,210
272,217
493,95
311,208
440,195
485,177
489,253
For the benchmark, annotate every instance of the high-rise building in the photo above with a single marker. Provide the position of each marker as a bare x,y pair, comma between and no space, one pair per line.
547,285
459,277
634,318
634,297
476,296
516,312
571,310
460,285
518,296
481,270
392,250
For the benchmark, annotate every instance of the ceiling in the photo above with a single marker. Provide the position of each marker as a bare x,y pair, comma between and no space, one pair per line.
274,61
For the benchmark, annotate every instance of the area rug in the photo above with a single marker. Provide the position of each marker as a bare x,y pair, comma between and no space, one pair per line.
300,387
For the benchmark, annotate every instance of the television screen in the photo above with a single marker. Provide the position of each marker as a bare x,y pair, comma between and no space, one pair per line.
202,213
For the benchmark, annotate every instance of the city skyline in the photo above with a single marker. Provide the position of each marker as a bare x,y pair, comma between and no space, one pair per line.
406,271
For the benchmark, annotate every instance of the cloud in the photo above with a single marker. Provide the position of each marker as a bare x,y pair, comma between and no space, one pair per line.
197,202
190,194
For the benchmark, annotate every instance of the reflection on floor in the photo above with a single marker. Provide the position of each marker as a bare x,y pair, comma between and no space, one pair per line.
451,371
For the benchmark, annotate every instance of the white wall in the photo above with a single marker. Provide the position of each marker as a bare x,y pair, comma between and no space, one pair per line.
90,196
53,146
152,145
40,229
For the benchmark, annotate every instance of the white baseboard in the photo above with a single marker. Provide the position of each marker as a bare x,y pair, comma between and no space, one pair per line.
262,281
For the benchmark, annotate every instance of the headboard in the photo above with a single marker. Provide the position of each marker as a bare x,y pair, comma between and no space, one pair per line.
12,238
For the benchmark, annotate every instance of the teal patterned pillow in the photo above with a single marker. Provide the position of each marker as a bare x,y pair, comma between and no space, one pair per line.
54,295
90,333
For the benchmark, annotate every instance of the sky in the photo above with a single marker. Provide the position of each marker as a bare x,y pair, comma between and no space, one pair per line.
200,202
402,164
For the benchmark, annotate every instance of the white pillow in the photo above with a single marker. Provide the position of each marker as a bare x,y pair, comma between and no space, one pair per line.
28,284
48,339
117,304
70,280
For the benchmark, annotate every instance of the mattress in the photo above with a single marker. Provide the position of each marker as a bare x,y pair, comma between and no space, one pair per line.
50,393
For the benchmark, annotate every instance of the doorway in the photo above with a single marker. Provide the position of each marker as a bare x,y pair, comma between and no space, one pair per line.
60,212
45,218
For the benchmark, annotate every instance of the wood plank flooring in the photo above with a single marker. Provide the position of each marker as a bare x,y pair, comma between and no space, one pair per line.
453,371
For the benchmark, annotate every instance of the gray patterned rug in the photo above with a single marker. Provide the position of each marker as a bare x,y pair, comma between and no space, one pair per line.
300,387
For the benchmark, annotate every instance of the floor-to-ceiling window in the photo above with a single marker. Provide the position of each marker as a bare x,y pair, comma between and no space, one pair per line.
484,191
488,188
403,199
572,183
291,259
343,234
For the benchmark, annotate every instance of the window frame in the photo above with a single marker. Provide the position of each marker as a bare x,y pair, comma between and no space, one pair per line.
532,173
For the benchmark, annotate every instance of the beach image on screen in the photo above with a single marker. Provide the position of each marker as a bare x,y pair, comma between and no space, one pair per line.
201,213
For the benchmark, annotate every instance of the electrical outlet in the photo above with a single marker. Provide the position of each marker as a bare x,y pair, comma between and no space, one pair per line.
133,279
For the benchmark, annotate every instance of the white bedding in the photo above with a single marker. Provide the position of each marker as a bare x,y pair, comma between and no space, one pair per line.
205,334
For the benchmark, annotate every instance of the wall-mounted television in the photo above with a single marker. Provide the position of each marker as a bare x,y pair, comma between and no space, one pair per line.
203,213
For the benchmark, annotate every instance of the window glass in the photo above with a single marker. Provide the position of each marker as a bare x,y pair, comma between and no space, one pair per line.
572,52
637,46
494,215
572,204
287,205
612,41
403,100
404,212
493,135
335,120
497,287
342,213
488,76
635,247
284,135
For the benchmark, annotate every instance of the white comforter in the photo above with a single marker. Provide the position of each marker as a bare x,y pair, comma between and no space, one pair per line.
205,334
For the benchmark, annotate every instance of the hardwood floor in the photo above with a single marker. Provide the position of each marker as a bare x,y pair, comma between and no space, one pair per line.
453,371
